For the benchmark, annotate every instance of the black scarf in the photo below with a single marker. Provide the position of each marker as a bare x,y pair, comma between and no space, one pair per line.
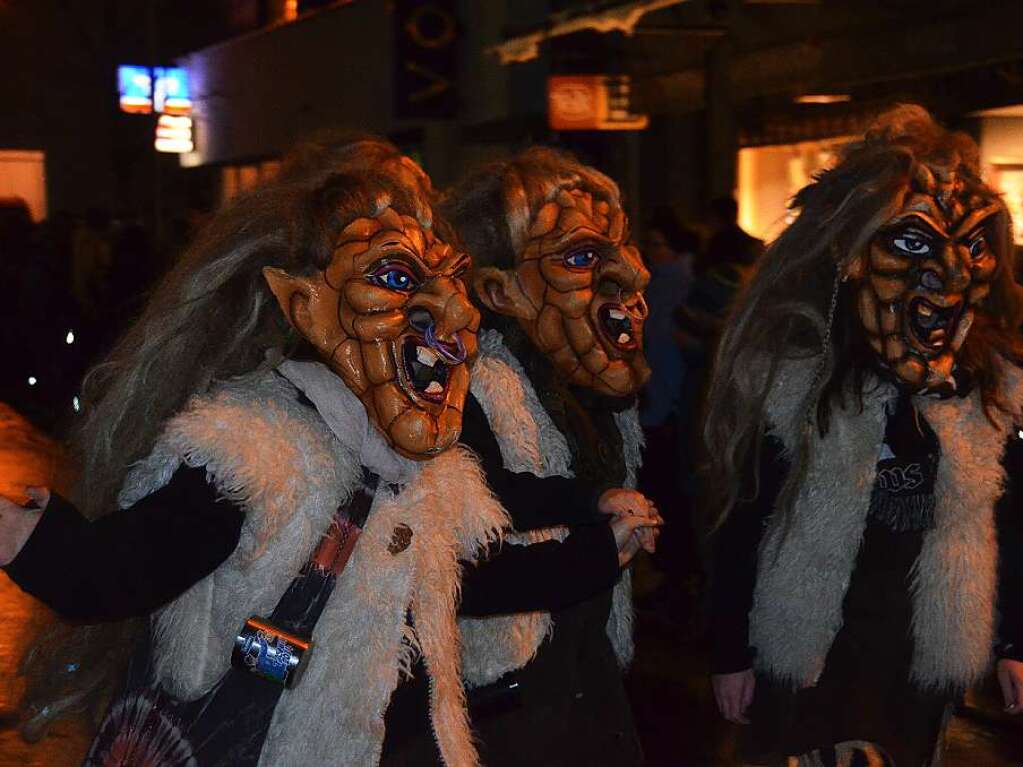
903,496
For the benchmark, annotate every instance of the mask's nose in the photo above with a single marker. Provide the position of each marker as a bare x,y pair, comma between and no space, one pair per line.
439,314
626,277
950,273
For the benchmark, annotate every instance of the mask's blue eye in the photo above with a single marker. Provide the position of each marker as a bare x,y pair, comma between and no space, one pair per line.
395,277
912,243
584,258
977,247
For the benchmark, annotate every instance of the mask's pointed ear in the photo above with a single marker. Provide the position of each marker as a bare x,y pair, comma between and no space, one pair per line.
499,291
293,295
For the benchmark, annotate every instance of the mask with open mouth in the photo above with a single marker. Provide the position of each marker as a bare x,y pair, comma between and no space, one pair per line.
391,315
925,274
577,284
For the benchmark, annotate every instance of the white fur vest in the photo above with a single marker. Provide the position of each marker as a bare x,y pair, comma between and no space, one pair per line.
280,462
802,577
530,442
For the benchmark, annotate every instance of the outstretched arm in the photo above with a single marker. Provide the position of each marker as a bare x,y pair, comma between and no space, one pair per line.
127,563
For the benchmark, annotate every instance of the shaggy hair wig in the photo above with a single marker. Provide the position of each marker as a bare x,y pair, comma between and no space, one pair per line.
212,318
798,306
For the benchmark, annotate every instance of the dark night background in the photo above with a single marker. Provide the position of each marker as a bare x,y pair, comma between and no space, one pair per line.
744,99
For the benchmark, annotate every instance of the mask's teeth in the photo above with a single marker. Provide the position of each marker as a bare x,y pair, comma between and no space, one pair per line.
434,388
624,338
426,356
616,314
924,309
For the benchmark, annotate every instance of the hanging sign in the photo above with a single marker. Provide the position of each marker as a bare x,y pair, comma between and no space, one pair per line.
591,102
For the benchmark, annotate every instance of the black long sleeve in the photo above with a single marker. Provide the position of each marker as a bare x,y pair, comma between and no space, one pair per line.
542,576
133,560
735,565
1009,525
533,502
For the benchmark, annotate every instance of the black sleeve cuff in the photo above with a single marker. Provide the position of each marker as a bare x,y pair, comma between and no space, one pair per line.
40,558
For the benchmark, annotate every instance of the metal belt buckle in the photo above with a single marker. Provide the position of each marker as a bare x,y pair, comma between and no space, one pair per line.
270,652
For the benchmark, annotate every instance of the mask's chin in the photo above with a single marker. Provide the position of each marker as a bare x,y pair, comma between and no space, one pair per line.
936,330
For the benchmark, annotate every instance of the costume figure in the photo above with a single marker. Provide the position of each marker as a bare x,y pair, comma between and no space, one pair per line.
863,432
561,287
285,412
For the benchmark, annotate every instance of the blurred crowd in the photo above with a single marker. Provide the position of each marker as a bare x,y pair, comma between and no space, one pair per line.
695,273
73,283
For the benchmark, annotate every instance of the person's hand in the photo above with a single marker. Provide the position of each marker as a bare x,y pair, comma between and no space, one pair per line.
734,693
629,531
620,501
18,522
1010,678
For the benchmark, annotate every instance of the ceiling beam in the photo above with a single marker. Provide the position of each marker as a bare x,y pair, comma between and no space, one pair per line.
618,18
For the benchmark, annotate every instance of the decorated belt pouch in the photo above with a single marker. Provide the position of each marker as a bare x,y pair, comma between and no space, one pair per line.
269,652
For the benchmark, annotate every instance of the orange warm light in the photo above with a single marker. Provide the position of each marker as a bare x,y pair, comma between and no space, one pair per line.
823,98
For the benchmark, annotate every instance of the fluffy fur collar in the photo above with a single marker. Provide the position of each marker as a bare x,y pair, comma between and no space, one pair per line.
530,442
284,466
802,577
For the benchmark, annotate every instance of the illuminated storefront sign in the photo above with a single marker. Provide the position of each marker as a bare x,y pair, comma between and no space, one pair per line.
163,89
135,89
174,134
170,91
591,102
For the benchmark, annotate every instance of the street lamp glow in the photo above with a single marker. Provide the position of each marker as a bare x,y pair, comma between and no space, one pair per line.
76,404
70,337
32,381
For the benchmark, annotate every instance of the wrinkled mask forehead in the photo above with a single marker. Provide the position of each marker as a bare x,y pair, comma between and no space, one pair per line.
584,281
926,273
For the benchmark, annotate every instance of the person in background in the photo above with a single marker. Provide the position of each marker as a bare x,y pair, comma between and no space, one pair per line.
669,250
91,260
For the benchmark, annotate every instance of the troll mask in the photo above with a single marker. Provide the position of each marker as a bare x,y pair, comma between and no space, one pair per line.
577,290
926,272
390,314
